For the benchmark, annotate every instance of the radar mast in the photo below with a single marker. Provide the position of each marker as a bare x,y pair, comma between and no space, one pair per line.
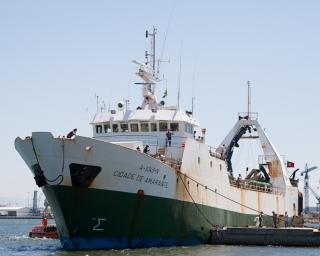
147,72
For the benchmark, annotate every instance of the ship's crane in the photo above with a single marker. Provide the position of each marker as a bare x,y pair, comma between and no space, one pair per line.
248,122
306,185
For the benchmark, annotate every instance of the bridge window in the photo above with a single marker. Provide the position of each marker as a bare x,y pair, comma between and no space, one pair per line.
154,127
98,128
107,128
134,127
188,128
174,127
124,127
163,126
115,128
144,127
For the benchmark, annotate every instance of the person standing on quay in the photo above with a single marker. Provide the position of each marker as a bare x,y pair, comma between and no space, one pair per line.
286,219
275,219
258,219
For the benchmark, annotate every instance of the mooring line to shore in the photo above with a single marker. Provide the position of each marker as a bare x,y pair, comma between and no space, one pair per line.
203,215
216,192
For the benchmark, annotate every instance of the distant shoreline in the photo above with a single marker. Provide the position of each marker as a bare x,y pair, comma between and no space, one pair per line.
22,217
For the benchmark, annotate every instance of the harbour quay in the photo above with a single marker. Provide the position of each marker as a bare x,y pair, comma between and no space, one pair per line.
265,236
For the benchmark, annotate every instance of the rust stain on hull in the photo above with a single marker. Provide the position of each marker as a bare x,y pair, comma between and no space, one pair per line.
242,200
259,201
274,168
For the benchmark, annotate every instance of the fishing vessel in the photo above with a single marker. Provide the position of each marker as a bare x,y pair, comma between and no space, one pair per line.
147,178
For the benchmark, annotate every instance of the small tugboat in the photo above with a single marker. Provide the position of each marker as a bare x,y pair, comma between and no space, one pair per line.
44,230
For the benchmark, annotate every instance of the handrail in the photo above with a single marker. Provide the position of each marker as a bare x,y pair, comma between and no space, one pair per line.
213,152
253,115
174,163
127,135
263,159
245,184
151,140
158,141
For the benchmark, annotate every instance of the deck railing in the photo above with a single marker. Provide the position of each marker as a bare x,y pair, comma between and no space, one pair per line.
256,186
251,185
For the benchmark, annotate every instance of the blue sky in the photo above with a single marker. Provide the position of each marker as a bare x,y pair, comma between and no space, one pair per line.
55,56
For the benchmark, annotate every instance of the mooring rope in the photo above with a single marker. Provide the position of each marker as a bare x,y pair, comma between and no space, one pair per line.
194,202
60,175
216,192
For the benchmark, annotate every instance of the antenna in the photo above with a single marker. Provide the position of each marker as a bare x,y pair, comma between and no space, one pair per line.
127,101
249,98
192,90
153,49
192,105
103,106
97,102
164,44
179,87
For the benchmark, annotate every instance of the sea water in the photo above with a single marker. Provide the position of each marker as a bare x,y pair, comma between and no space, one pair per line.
14,240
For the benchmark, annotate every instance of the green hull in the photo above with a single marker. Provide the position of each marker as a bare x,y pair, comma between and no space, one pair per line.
93,219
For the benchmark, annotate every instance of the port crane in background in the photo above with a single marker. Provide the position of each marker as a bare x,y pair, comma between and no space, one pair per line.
306,186
317,197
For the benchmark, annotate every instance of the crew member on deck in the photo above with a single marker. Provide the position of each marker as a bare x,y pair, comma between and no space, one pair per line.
72,134
239,180
169,136
146,149
45,221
